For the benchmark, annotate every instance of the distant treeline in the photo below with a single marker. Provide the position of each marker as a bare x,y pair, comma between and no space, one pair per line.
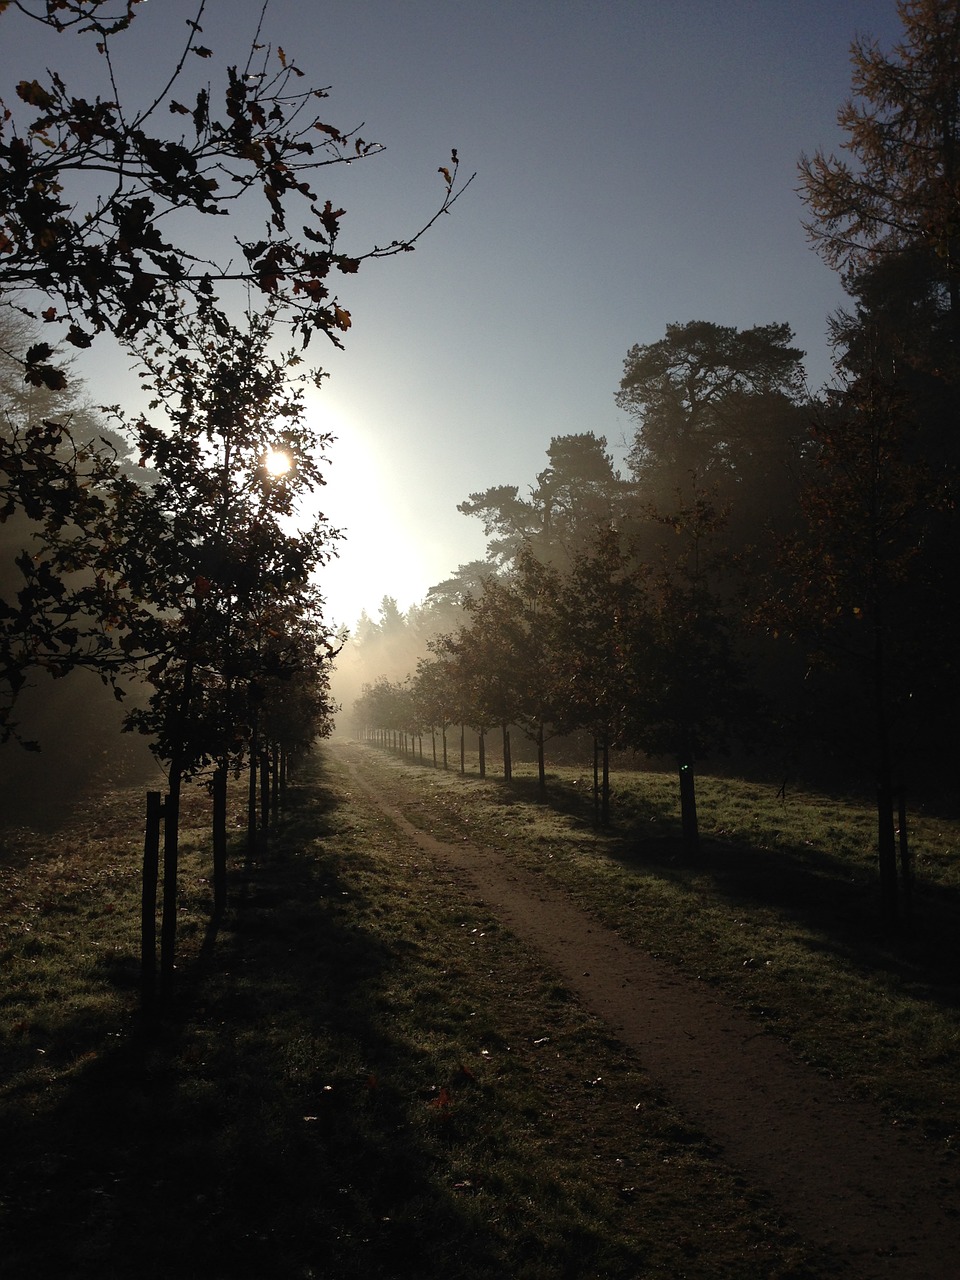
777,569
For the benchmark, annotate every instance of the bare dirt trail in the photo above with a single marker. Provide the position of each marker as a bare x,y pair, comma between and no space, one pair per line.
840,1174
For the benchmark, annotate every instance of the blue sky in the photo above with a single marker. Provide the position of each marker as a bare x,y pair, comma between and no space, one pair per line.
636,166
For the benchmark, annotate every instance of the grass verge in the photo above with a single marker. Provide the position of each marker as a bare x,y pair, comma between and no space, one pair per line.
361,1076
781,910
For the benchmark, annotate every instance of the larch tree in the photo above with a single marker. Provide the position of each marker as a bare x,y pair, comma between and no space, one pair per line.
901,186
872,585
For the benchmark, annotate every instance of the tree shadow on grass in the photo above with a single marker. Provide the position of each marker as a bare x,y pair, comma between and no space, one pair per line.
264,1126
832,899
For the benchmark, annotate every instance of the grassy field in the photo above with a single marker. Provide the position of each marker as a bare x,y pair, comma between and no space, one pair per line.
782,910
362,1076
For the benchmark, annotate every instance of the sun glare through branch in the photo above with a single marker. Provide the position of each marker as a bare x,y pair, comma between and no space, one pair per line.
277,462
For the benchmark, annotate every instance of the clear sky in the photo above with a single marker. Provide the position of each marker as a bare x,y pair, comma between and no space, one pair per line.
636,166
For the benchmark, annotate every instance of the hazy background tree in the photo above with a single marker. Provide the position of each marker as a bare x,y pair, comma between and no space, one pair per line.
576,494
716,408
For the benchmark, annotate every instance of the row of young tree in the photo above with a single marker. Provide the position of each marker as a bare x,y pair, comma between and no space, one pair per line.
777,569
172,551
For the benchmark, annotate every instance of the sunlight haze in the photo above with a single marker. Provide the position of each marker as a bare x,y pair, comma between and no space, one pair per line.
636,166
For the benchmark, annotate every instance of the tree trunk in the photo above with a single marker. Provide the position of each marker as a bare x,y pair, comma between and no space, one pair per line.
906,861
220,840
463,748
148,900
596,781
507,761
252,797
168,923
265,792
887,856
541,761
482,745
886,836
605,789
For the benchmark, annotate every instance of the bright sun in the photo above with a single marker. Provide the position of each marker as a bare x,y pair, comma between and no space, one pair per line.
277,462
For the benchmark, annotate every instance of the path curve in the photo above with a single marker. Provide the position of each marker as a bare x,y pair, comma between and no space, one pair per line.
843,1177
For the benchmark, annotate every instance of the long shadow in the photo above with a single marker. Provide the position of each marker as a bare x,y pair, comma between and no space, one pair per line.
261,1128
833,902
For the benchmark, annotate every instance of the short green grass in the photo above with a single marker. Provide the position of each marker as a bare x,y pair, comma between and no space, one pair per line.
360,1074
781,910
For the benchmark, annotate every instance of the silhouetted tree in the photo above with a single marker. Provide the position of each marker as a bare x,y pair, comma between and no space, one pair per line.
902,127
93,241
578,493
714,407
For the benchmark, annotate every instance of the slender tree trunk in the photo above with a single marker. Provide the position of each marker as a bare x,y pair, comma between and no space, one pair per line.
886,836
171,835
220,839
482,744
463,749
433,743
596,781
148,900
507,761
906,860
887,856
168,923
444,733
541,761
605,789
265,792
252,795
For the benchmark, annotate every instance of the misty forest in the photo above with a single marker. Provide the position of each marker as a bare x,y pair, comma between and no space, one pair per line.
762,591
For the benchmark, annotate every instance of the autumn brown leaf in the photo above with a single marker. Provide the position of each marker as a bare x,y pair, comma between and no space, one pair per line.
32,92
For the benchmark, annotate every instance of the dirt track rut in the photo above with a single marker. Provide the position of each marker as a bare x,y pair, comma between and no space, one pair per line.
840,1174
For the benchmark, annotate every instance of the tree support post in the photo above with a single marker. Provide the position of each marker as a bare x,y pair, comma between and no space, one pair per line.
688,810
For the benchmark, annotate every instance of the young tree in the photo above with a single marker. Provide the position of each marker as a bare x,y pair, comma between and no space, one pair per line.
99,204
509,648
689,692
598,623
207,581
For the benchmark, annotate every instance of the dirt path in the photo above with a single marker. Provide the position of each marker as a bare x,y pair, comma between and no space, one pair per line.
839,1174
